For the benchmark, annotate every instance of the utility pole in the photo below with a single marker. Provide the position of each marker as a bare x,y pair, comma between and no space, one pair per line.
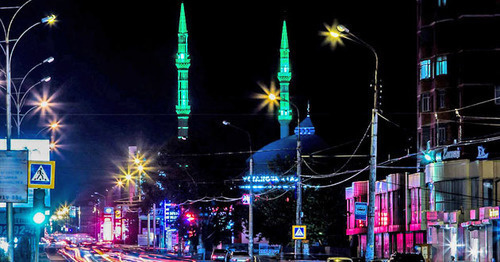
370,243
298,211
250,206
370,238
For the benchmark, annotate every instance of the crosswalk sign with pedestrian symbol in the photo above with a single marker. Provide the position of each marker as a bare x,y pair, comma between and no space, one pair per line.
299,232
41,174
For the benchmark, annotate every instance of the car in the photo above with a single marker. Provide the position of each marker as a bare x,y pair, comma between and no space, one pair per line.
219,255
299,257
239,256
339,259
407,257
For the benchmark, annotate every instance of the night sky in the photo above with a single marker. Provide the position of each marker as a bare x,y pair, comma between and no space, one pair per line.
115,77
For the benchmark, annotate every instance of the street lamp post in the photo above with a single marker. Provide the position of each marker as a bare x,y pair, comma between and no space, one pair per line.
250,206
298,210
8,59
342,31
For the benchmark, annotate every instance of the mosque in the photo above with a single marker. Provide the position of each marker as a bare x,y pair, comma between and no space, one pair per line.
286,147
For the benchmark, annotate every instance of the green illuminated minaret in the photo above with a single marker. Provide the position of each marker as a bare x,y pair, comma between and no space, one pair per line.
284,76
182,62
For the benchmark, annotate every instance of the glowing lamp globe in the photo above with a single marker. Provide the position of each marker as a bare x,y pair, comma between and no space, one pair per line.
39,218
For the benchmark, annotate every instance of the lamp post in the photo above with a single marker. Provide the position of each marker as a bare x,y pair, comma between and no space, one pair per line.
250,206
342,31
298,210
8,59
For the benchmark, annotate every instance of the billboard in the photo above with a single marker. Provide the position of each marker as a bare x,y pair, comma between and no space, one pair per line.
38,150
14,176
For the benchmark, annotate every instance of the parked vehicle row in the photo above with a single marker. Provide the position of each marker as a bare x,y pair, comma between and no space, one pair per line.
230,256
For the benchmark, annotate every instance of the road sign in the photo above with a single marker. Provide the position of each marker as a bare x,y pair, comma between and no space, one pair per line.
360,210
299,232
41,174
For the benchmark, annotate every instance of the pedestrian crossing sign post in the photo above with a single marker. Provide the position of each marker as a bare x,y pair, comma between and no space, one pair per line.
41,174
299,232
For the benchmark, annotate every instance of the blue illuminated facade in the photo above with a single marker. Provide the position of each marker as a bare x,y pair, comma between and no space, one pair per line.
284,149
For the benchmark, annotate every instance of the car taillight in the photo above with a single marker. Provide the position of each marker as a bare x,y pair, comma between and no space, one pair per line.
234,259
214,257
248,260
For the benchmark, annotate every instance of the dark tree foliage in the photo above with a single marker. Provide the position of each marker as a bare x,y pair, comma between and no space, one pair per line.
185,173
323,210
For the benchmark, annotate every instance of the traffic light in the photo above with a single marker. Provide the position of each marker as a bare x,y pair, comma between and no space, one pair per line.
38,206
189,217
39,218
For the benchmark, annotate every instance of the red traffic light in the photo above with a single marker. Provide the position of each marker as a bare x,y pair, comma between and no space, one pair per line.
190,217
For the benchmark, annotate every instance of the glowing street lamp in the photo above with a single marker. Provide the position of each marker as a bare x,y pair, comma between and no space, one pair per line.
53,126
298,210
51,19
335,33
44,104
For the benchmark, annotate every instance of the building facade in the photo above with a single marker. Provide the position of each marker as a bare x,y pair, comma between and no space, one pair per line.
449,210
458,70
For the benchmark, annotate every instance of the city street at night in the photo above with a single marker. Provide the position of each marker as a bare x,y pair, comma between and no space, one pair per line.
250,131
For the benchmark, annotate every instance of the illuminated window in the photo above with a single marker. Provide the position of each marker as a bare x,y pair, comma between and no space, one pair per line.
441,65
425,69
441,2
384,220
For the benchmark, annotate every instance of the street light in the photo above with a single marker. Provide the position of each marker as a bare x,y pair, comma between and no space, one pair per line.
53,126
298,211
8,59
343,32
250,205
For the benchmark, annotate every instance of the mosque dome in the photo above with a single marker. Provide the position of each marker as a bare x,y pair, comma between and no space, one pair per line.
287,147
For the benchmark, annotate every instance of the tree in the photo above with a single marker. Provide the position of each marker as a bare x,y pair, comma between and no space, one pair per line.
323,211
184,174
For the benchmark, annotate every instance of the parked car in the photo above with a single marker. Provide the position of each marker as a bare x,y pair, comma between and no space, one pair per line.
240,256
407,257
299,257
339,259
220,255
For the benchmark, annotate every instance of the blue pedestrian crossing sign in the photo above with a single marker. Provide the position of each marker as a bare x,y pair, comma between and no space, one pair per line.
41,174
299,232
